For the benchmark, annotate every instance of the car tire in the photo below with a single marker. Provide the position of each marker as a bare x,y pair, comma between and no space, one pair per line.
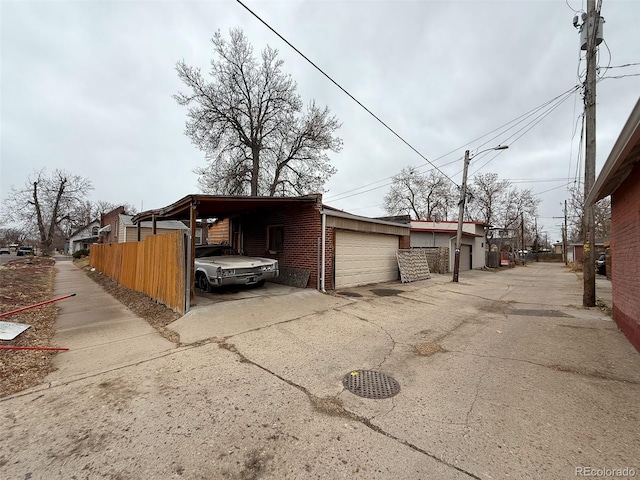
203,283
260,283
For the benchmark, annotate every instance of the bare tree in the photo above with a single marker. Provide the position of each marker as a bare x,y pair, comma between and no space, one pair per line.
45,203
424,196
499,204
250,123
602,216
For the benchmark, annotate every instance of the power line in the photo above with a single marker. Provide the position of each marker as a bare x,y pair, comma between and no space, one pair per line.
624,65
345,91
517,120
530,125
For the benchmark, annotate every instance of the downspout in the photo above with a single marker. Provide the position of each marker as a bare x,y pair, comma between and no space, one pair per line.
322,253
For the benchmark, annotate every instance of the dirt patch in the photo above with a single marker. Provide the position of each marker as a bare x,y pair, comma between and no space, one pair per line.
24,283
428,349
156,314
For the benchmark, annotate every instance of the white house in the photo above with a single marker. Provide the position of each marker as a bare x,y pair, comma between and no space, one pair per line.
82,238
427,233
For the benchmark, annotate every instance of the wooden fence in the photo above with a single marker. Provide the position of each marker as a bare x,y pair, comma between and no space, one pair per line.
155,267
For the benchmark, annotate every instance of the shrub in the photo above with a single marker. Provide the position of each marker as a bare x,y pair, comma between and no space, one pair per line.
81,253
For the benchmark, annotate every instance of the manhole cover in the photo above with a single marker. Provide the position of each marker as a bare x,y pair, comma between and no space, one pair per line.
385,292
371,384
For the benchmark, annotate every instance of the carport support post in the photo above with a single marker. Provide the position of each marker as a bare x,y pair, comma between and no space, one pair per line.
463,198
193,215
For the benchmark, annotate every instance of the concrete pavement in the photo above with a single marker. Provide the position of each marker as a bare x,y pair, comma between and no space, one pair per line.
99,331
503,375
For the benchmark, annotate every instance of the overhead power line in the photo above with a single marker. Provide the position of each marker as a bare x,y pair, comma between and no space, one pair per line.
514,122
345,91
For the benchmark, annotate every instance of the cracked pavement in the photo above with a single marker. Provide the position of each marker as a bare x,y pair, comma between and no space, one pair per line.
259,392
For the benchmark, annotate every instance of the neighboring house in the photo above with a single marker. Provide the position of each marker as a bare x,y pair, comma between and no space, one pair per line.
300,232
202,232
620,178
426,233
82,238
109,222
575,250
219,232
127,231
117,227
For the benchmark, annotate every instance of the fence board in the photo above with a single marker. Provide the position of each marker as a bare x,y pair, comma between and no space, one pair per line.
155,267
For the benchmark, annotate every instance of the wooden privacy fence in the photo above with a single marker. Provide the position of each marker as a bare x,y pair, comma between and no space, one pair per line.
155,267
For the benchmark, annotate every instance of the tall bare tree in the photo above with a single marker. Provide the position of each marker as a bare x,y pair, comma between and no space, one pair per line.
249,121
601,211
45,203
423,196
499,204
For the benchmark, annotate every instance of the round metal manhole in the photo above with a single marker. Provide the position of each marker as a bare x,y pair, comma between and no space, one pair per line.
371,384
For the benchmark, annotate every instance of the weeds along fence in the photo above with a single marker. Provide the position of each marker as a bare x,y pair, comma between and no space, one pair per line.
155,267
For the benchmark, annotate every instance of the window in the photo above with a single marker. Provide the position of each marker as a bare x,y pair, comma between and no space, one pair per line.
94,231
275,238
199,236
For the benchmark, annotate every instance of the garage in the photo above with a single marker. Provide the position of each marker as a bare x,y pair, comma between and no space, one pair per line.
363,258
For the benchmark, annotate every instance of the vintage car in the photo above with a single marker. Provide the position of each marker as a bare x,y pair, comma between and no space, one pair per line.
220,265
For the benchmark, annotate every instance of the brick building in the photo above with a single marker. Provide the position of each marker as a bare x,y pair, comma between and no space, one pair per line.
620,178
316,246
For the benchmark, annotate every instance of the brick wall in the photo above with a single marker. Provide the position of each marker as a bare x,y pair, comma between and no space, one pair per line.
302,231
625,256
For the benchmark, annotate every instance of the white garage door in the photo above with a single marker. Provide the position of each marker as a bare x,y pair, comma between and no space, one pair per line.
363,258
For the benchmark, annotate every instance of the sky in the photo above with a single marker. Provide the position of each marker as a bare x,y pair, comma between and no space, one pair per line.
86,86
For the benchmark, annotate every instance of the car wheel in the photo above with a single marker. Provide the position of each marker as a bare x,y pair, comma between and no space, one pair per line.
203,283
260,283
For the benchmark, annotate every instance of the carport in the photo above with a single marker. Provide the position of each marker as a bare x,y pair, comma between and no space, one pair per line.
193,207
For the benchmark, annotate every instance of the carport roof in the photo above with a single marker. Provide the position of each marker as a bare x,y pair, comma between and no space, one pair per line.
217,206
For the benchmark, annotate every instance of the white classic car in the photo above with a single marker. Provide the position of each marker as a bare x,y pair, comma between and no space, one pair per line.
220,265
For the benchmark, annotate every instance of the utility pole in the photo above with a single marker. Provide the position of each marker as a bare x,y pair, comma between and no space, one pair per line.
522,235
565,236
463,198
588,262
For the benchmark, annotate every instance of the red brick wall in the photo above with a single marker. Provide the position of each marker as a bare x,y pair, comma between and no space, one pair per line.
625,256
302,229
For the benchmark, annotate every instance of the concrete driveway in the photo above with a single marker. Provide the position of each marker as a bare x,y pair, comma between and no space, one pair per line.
503,375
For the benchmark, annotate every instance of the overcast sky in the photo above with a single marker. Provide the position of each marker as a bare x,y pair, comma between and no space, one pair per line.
87,87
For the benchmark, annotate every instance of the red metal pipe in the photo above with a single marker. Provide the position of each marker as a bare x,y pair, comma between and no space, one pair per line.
11,347
6,314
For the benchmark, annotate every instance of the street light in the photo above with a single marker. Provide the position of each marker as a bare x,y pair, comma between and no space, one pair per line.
463,199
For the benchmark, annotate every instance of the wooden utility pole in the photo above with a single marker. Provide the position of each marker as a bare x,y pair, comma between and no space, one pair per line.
565,236
522,236
588,259
463,198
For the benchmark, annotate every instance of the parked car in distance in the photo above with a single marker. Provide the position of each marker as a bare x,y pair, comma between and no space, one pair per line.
5,251
220,265
24,251
601,264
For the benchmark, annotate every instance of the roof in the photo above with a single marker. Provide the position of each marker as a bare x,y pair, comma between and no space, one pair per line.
163,224
333,212
85,227
216,206
624,155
